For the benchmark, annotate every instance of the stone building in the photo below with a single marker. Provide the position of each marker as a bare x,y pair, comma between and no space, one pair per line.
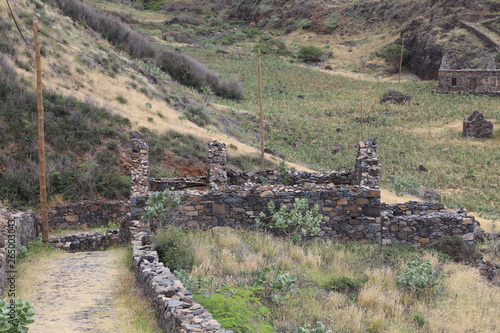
472,81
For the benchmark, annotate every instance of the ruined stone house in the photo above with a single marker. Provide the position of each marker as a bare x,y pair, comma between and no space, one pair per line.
472,81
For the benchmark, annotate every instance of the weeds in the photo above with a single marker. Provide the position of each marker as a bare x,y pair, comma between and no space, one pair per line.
173,248
421,277
297,223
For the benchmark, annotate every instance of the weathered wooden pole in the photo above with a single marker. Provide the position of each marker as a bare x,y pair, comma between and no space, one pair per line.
401,59
261,112
41,137
361,122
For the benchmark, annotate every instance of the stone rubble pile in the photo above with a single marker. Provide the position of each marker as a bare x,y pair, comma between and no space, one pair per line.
477,127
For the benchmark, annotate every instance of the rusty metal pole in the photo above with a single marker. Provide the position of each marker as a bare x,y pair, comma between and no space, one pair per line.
41,137
261,112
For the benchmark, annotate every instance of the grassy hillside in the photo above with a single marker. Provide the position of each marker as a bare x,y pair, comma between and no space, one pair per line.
312,116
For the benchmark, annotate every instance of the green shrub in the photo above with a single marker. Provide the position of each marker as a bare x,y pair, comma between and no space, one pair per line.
457,248
309,54
237,309
297,223
161,209
421,277
331,22
17,321
392,54
305,23
405,184
342,283
173,248
274,284
197,115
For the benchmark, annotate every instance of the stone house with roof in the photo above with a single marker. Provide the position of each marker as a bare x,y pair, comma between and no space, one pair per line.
472,81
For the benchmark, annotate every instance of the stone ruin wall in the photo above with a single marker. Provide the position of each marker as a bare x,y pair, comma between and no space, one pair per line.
349,201
16,230
477,127
88,214
472,81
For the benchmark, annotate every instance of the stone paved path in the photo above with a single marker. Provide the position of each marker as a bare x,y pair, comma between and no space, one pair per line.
77,292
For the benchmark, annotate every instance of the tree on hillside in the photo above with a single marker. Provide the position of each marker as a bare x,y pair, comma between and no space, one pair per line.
392,54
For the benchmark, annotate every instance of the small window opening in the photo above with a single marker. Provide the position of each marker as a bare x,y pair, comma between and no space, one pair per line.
493,82
453,81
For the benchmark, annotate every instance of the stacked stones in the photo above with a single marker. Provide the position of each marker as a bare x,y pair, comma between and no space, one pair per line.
217,175
140,164
139,173
349,212
367,169
477,127
23,228
86,242
176,311
419,224
87,213
162,184
271,176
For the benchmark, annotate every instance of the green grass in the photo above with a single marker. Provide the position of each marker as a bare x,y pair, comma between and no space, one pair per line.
303,129
351,287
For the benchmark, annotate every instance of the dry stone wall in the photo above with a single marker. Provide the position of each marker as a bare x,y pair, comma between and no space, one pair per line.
349,212
477,127
349,202
87,214
86,242
472,81
16,230
303,178
175,309
420,230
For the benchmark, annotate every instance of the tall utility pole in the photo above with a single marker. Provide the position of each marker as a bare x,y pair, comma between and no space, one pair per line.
41,137
401,59
261,112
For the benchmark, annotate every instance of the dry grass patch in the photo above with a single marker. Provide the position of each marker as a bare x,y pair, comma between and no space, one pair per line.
349,287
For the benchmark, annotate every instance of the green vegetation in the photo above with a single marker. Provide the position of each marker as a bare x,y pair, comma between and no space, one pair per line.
421,277
297,223
173,248
237,309
349,287
161,208
82,140
310,54
17,320
392,54
426,131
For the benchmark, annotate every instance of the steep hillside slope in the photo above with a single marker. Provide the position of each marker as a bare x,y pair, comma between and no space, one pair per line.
430,28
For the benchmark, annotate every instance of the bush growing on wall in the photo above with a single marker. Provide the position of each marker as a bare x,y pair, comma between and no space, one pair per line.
161,208
297,223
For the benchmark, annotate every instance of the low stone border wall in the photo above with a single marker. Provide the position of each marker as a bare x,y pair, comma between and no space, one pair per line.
86,242
16,230
87,214
420,230
411,208
174,305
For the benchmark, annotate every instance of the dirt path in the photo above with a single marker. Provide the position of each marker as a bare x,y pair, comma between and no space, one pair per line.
82,292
